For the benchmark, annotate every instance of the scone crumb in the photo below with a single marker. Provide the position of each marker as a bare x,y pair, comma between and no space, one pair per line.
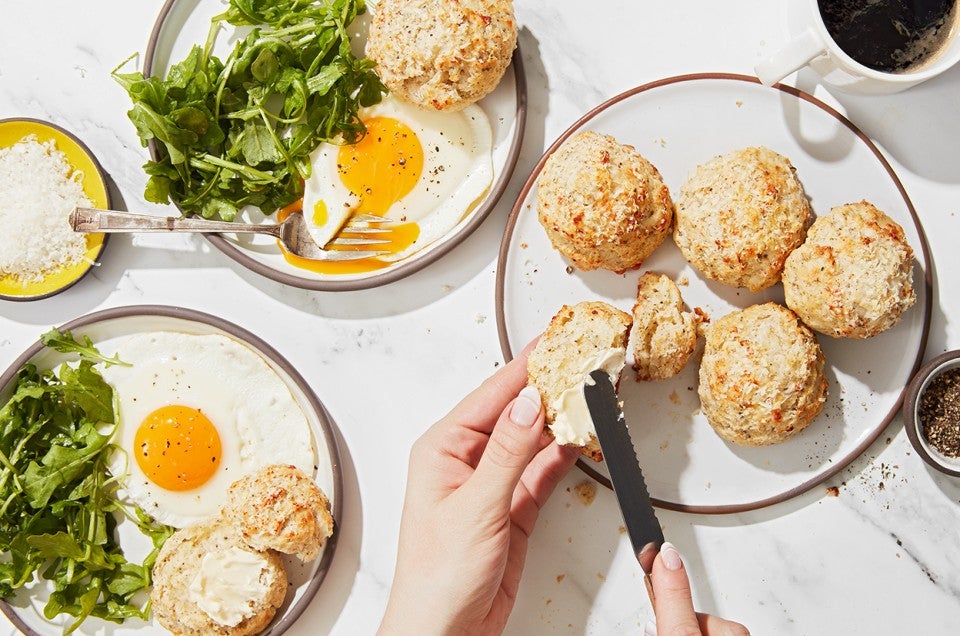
586,492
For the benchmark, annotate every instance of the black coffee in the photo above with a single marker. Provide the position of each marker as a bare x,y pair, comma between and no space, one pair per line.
890,35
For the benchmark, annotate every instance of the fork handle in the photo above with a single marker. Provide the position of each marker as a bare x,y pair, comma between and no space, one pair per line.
96,220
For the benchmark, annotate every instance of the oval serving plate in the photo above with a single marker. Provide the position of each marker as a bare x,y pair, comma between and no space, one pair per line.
94,186
678,123
183,23
106,329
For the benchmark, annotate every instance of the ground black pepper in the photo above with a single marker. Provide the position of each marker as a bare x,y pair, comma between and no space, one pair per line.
939,413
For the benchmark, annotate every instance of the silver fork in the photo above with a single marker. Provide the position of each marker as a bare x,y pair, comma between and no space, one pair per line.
293,232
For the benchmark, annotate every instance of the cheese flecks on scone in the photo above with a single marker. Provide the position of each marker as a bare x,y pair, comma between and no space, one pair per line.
762,376
740,215
281,508
853,276
442,55
602,204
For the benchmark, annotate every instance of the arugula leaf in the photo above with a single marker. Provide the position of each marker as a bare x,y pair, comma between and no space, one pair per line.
65,342
62,465
239,131
58,502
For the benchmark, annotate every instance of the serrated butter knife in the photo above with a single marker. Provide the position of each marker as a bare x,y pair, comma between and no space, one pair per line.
643,528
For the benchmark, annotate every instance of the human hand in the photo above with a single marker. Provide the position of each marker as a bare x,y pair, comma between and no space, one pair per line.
674,603
477,481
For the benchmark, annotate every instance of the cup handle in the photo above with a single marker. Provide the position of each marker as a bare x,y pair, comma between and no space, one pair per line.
796,54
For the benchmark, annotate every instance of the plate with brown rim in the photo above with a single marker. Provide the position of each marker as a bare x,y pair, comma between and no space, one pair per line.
678,123
110,327
183,23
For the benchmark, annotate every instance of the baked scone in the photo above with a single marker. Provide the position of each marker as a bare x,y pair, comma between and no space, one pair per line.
739,215
853,276
762,376
664,335
198,561
442,55
579,339
280,508
602,204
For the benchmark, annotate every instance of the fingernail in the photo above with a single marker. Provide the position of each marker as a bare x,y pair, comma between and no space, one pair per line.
526,408
670,556
650,629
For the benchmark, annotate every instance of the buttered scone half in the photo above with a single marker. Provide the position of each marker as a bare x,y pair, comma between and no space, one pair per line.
853,276
740,215
579,339
442,55
207,580
762,376
664,336
602,204
280,508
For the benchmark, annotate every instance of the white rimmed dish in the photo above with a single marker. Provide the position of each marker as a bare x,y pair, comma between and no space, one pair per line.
108,327
677,123
183,23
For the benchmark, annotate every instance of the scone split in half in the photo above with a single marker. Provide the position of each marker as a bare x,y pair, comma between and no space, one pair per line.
664,336
225,575
579,339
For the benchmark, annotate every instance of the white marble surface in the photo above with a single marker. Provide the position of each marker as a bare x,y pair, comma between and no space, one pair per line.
880,558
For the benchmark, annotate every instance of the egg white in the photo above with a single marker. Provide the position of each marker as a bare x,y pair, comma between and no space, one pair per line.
457,173
257,418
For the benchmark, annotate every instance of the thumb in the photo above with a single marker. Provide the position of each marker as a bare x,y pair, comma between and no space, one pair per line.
671,588
513,443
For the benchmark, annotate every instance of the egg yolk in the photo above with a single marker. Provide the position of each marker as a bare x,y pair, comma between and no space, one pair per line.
383,167
177,447
379,170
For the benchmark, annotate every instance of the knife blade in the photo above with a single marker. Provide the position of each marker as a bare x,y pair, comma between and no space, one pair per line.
641,521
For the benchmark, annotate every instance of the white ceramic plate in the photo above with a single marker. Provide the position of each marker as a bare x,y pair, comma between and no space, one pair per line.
106,329
678,123
183,23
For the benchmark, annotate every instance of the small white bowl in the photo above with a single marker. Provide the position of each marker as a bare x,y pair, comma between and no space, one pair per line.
911,417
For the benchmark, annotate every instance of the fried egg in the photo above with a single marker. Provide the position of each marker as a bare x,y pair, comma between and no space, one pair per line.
425,170
196,413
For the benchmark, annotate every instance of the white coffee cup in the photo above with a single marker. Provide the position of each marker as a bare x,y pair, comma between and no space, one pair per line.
812,46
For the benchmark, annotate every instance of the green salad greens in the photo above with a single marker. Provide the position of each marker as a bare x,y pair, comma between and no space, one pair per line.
58,505
239,131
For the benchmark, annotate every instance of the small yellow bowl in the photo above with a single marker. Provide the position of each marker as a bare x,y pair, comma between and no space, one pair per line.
94,186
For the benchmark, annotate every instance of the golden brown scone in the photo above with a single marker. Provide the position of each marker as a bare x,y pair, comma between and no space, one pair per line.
853,276
740,215
280,508
761,378
442,55
179,563
602,204
579,339
663,336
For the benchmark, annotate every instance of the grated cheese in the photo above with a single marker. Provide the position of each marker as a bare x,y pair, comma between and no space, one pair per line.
38,190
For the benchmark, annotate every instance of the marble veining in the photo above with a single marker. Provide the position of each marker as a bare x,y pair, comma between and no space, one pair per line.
879,555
